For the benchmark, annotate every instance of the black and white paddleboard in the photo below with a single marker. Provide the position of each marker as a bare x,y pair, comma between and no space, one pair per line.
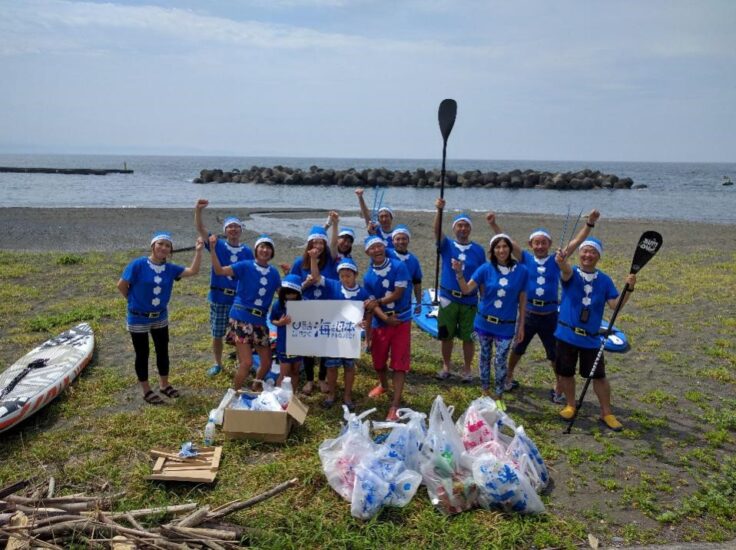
37,378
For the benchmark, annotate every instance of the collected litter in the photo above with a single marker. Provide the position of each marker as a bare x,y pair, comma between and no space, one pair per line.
482,460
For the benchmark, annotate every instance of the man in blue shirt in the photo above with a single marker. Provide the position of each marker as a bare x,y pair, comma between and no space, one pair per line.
585,293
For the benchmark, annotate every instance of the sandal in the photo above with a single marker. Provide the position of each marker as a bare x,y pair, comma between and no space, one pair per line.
327,403
350,405
442,375
170,392
153,398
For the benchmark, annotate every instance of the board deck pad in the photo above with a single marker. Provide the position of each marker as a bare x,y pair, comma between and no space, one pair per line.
59,361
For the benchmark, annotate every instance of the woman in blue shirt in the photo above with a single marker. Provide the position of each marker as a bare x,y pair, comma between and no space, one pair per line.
502,282
147,283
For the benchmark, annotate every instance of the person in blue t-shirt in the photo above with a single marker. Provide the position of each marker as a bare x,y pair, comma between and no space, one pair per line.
247,329
291,289
146,284
382,224
542,294
457,310
341,238
222,289
502,282
316,240
401,237
585,293
347,288
387,283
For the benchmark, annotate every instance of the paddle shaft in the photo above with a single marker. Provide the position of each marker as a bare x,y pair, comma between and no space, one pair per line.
598,357
439,233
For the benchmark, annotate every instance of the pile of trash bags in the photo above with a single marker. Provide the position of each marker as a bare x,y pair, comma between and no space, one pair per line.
482,460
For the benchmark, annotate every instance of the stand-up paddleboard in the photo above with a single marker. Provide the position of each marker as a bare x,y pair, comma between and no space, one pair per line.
426,320
36,379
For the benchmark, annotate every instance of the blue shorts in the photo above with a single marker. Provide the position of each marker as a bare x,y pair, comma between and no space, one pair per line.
283,358
544,326
219,314
337,362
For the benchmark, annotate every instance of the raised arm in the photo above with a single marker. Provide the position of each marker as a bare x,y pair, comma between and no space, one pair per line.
335,223
198,223
583,233
440,205
467,287
216,265
193,268
363,207
631,282
493,223
565,268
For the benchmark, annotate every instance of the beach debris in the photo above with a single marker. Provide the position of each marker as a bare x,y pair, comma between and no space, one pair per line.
35,520
198,466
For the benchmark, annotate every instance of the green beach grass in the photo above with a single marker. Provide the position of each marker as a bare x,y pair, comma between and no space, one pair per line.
669,476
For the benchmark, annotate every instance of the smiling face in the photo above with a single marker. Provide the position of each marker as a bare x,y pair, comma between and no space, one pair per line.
317,244
401,243
462,231
160,250
264,253
501,251
377,252
345,244
540,245
588,258
233,232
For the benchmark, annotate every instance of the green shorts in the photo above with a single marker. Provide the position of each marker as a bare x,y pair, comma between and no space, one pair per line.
456,321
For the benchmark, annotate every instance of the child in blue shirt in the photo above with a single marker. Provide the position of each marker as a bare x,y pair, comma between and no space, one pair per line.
291,289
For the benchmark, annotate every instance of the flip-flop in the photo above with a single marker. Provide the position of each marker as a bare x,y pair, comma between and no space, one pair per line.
153,398
170,392
214,370
442,375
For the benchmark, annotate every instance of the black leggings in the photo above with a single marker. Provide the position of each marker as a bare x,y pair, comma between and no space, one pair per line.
309,368
160,343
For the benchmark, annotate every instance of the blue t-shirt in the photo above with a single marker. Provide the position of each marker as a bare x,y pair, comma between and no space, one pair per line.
472,256
499,297
150,289
543,283
386,237
329,270
277,312
255,290
411,262
584,290
228,255
380,281
333,290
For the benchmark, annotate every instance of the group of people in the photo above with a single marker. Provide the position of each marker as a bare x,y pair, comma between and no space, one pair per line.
502,296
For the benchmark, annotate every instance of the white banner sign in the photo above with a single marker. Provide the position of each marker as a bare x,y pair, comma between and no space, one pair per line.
324,328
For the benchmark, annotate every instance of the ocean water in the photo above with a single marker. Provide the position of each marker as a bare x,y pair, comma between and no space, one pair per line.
675,191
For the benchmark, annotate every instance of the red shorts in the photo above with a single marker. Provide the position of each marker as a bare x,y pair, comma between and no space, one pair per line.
395,341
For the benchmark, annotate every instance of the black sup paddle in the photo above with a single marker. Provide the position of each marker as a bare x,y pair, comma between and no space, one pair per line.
446,116
649,244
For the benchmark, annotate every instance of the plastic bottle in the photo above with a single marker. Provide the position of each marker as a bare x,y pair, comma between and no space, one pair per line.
209,433
286,393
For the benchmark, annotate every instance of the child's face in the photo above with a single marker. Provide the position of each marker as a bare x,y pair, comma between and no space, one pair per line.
291,295
347,278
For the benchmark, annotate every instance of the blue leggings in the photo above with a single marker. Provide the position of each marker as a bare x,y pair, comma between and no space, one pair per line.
503,347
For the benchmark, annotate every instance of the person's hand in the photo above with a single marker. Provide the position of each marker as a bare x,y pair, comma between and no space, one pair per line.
491,218
370,304
560,256
440,203
371,228
631,281
392,321
213,241
313,253
199,245
285,320
334,216
519,334
308,281
457,266
285,268
201,203
359,191
593,216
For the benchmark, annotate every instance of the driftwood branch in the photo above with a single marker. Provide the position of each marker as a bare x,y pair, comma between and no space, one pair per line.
241,505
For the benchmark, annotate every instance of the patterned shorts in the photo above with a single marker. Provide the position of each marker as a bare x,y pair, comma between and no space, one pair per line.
219,319
239,332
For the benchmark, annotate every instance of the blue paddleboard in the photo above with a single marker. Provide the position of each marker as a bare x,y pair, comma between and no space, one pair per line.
426,320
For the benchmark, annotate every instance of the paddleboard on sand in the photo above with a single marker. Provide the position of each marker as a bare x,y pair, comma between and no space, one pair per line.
37,378
426,320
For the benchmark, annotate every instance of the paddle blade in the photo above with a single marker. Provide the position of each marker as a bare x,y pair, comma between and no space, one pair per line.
649,244
446,116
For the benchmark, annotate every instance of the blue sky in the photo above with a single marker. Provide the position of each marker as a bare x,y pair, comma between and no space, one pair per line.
541,80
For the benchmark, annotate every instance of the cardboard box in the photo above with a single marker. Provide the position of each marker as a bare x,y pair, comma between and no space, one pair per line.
273,426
